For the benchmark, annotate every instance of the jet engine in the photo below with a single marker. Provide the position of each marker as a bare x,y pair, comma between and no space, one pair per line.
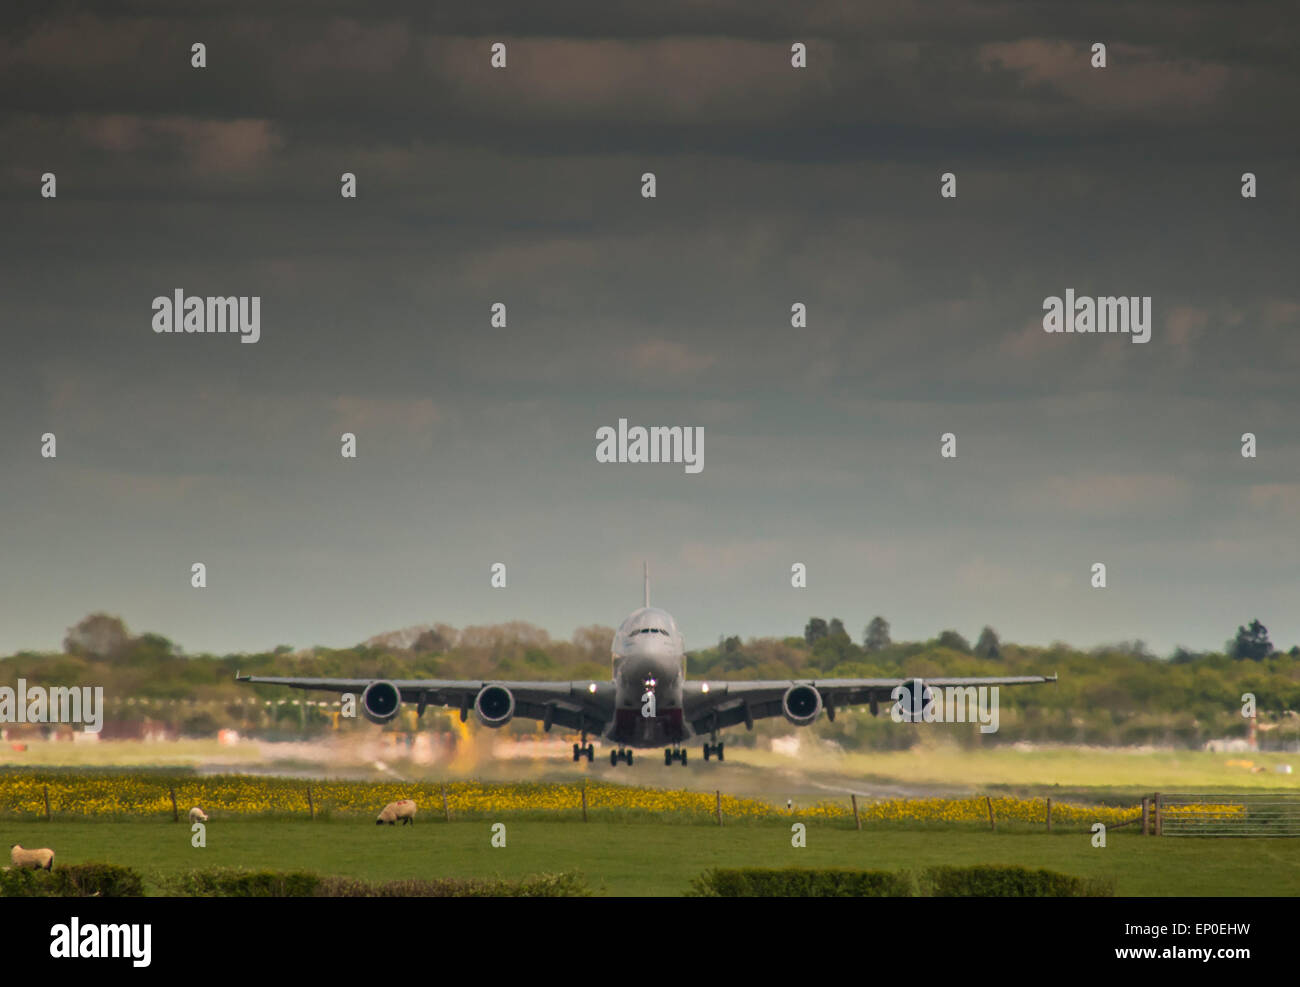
381,702
494,705
911,700
801,704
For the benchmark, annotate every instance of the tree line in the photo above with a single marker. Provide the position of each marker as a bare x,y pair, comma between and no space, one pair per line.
1117,693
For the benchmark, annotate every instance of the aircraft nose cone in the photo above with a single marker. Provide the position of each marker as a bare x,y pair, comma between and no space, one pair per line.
650,662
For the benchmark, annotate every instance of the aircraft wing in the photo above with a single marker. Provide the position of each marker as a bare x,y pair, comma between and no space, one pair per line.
576,705
716,705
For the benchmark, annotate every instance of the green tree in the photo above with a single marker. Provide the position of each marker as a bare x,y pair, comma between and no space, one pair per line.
815,630
430,642
151,647
876,636
1252,642
988,645
733,655
98,636
953,640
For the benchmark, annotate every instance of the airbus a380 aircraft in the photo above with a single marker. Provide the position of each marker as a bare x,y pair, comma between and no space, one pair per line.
649,658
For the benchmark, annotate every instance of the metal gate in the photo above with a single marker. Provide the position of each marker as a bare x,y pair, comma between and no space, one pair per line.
1228,815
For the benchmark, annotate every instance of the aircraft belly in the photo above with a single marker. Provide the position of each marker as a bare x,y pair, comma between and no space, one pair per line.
635,730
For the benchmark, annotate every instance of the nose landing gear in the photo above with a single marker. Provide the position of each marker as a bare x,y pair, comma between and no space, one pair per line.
713,749
620,755
672,754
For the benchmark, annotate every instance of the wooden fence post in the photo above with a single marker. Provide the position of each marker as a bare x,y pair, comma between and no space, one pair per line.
857,820
1159,820
1049,814
584,799
446,812
718,796
47,803
989,802
176,815
1146,809
311,806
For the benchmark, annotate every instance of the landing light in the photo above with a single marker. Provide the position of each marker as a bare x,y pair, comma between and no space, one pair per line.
591,687
704,687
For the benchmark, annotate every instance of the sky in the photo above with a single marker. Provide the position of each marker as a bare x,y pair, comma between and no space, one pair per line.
774,186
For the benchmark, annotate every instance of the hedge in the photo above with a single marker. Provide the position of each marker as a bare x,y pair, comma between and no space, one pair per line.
1003,881
89,880
792,882
986,881
228,883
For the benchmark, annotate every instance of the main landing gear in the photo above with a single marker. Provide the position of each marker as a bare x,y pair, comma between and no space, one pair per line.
583,749
622,754
711,749
672,754
580,751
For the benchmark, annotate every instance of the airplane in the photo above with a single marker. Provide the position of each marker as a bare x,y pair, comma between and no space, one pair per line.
648,701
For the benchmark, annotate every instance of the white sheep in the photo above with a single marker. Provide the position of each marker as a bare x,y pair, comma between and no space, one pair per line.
42,859
198,815
393,811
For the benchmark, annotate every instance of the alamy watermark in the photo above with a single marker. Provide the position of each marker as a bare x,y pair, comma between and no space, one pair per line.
192,313
57,704
1105,314
92,940
920,703
656,444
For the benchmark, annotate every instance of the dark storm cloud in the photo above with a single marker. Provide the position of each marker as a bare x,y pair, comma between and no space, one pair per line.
774,186
895,83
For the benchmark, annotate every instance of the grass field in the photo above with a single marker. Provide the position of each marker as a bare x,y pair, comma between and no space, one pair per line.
1110,769
637,858
658,853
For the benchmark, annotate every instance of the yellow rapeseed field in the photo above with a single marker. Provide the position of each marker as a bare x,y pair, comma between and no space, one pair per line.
94,795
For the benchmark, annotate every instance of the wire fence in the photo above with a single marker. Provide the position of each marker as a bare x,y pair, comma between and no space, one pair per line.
1230,815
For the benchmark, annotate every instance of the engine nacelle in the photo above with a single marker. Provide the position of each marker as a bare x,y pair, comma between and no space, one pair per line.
494,705
801,704
381,702
911,699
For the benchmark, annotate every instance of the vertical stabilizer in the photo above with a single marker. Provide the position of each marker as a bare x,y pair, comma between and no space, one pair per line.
645,572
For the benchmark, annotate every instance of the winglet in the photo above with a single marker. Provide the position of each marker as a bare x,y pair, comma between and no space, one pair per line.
645,572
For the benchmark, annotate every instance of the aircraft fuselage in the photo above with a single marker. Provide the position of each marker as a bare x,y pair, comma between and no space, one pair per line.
649,657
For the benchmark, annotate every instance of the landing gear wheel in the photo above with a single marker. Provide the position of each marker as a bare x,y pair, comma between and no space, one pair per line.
577,753
613,758
668,757
629,759
590,751
719,752
707,752
683,757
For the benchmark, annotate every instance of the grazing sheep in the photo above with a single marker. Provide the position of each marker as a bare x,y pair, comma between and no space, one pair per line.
198,815
393,811
42,859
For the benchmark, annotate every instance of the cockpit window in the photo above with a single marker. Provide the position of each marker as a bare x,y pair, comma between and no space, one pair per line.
646,621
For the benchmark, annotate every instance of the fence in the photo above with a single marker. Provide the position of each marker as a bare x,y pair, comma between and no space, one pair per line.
1228,815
